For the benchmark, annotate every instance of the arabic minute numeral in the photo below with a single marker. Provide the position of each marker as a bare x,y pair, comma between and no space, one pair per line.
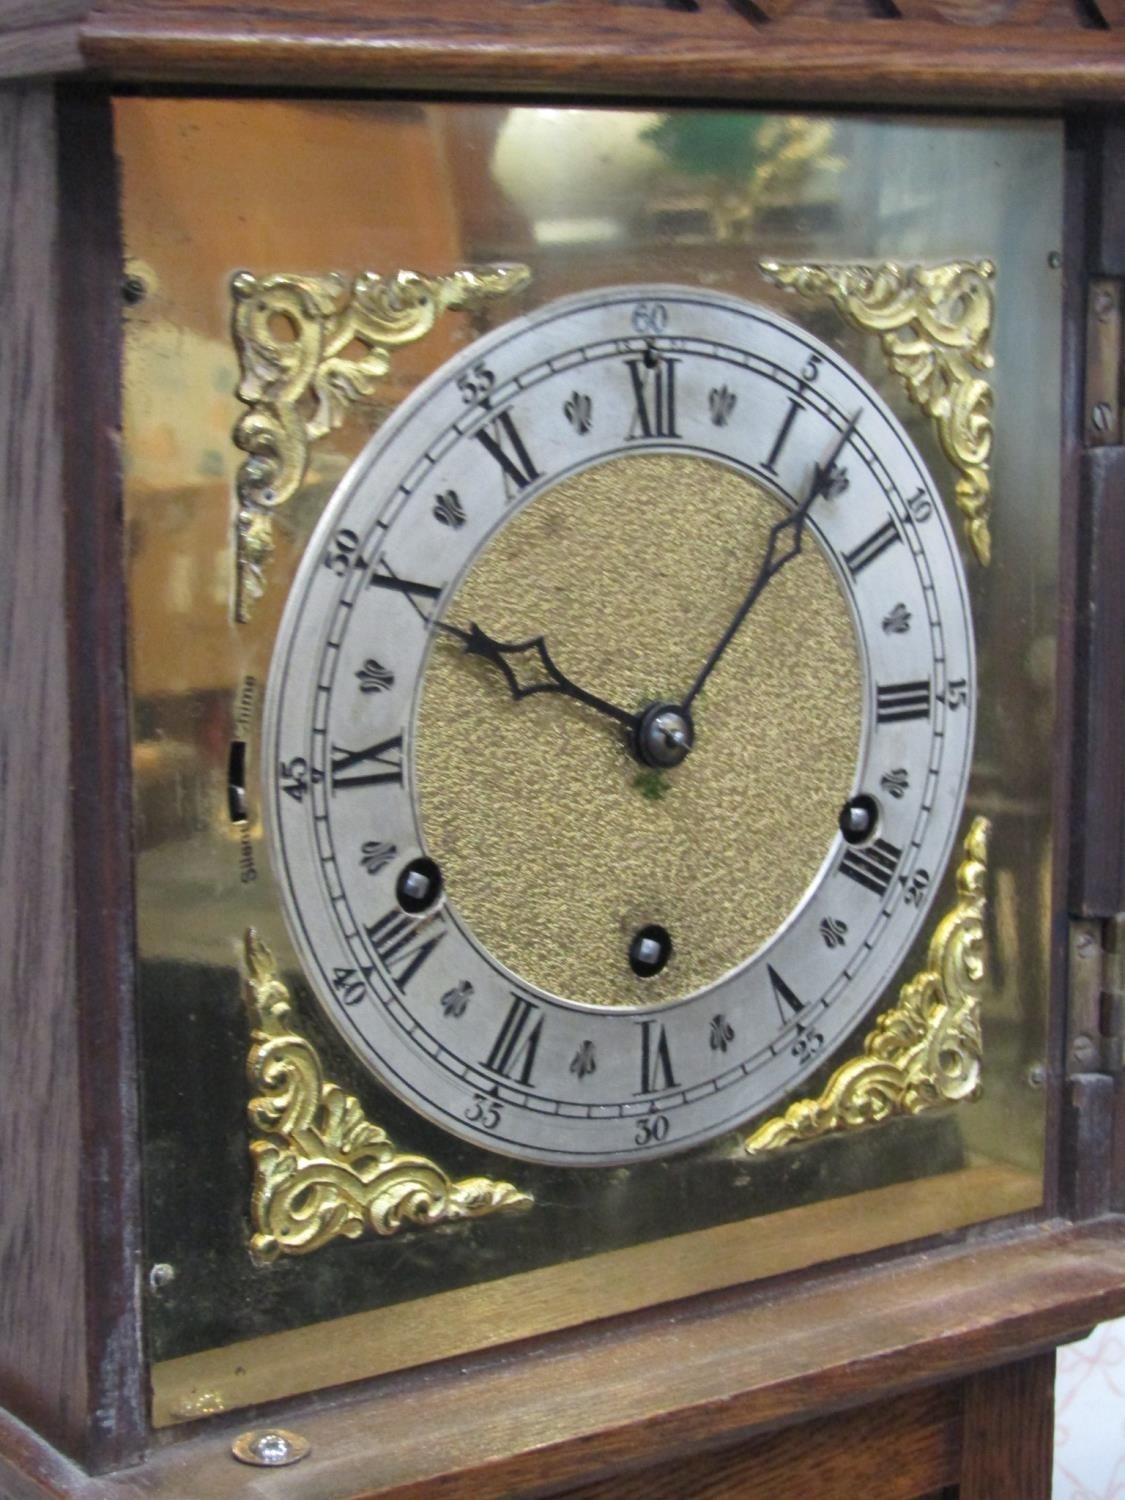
956,694
812,369
651,1129
920,506
296,778
342,553
485,1112
807,1045
650,317
348,985
476,384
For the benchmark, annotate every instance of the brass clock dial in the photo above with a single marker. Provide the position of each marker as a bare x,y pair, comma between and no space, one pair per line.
619,725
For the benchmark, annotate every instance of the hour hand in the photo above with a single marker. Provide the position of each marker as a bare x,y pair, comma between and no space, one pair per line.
522,659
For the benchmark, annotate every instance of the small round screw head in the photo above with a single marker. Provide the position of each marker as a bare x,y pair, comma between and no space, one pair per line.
1054,260
1100,416
650,950
1083,1051
859,818
161,1275
418,886
270,1447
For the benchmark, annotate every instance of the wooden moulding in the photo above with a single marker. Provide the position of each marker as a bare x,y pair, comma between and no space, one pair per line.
708,1374
100,777
70,1359
42,1338
1039,54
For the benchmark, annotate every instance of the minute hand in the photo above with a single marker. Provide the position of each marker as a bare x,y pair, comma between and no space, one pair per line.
775,559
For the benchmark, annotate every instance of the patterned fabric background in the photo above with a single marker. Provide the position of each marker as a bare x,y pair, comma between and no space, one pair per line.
1090,1417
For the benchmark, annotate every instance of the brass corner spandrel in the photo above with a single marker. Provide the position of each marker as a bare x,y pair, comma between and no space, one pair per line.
323,1170
935,326
310,348
924,1052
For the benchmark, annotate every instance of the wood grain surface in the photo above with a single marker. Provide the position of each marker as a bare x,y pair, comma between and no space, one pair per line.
725,1370
1034,53
896,1450
70,1358
1009,1431
42,1277
1100,868
91,270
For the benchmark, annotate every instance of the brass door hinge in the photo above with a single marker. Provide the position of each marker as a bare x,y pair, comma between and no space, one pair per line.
1103,417
1096,1018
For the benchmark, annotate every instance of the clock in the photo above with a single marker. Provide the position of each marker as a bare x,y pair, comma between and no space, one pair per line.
618,723
585,800
561,858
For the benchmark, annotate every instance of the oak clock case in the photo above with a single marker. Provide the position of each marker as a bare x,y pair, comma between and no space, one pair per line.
603,212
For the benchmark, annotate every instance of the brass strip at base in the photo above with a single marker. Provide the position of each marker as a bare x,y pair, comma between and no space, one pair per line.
517,1307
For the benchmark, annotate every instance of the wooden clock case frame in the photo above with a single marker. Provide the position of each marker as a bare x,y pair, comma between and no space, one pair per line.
947,1386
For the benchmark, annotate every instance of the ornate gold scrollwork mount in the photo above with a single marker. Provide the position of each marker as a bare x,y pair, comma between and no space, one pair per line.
935,326
322,1170
927,1050
310,347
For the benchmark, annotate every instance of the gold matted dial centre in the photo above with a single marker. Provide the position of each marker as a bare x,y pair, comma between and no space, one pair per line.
555,844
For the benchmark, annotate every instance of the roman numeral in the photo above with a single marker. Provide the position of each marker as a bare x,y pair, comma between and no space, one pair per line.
410,589
654,392
877,543
402,944
348,766
656,1060
788,1003
782,438
872,866
902,700
500,439
513,1052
